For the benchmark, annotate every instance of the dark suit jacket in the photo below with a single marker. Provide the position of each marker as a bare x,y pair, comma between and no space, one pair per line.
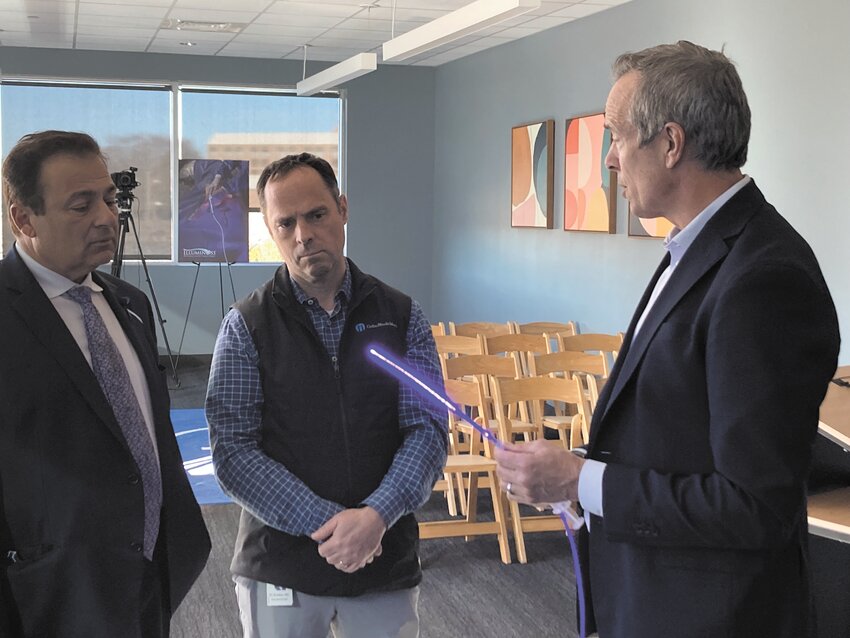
707,424
71,504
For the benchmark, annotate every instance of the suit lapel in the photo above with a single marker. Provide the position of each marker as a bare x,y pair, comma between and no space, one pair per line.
39,315
709,247
604,398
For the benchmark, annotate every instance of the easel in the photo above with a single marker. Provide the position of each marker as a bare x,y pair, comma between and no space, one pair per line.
192,298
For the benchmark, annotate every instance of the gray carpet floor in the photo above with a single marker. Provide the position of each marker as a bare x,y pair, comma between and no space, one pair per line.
466,590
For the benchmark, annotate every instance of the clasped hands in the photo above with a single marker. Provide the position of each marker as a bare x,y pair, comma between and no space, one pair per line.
351,539
538,473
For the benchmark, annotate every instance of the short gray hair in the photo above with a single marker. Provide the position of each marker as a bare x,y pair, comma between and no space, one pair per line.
697,88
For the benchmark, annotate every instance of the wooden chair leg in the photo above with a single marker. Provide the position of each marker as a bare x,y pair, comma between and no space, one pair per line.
451,502
519,537
501,517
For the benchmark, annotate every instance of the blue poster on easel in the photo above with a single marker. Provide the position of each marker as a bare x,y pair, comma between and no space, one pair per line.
212,223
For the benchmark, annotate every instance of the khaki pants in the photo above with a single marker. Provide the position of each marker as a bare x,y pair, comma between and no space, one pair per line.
383,615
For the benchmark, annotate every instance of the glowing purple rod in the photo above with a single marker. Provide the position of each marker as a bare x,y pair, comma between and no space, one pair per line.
397,371
564,510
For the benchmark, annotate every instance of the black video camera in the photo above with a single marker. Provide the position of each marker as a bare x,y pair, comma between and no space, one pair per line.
125,180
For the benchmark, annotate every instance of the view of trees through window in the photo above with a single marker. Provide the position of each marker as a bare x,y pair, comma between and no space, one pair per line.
133,126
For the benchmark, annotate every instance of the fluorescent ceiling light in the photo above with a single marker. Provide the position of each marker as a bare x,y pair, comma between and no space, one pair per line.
469,19
346,70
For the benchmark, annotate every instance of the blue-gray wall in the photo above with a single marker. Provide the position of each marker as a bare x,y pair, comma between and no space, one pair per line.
792,58
390,172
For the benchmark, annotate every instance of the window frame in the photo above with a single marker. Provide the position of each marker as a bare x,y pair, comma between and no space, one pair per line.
175,90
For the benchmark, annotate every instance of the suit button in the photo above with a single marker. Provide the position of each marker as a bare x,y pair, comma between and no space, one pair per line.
133,479
136,547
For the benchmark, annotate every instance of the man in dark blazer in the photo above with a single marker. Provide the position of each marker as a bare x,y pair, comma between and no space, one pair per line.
80,554
694,487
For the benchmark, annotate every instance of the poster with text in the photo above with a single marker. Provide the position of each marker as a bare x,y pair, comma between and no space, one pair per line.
212,223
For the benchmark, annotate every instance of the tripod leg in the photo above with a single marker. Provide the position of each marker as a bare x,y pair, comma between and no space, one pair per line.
188,312
155,302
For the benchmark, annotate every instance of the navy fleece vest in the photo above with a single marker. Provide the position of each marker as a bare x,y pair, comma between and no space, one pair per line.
334,424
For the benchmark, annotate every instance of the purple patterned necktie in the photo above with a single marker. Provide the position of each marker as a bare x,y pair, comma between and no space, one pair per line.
111,373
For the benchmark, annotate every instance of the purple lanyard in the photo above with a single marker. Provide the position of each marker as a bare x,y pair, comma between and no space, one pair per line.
564,510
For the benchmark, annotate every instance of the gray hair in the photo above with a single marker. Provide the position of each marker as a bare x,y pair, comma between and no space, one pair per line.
698,89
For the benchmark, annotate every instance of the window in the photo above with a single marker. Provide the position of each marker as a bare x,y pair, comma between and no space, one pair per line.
259,128
133,125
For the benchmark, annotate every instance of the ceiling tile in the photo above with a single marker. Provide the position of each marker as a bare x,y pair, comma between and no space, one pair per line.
272,30
148,3
315,8
169,35
221,5
342,43
114,33
128,10
254,50
445,5
204,15
110,22
84,41
38,7
271,41
299,20
166,46
355,34
37,40
546,22
579,10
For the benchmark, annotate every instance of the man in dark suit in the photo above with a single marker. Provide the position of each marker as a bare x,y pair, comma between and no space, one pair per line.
100,535
694,487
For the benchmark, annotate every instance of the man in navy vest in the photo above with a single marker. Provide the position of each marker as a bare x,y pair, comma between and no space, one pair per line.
327,456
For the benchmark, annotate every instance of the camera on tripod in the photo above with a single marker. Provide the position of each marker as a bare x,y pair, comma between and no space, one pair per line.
125,182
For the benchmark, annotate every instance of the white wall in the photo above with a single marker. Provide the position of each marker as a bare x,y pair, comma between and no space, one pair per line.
793,60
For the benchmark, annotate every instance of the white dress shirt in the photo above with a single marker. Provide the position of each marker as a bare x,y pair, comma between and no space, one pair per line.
55,286
676,243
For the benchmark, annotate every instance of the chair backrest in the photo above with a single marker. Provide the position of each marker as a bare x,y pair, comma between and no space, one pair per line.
483,364
455,345
451,347
468,396
592,342
567,363
525,346
475,328
533,392
438,329
545,327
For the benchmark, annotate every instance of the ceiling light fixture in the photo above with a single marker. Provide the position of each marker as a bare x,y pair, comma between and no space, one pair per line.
176,24
469,19
353,67
188,44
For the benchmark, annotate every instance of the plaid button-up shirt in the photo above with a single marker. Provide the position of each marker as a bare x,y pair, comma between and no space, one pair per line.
264,487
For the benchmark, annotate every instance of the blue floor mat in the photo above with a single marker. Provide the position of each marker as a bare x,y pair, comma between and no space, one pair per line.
193,437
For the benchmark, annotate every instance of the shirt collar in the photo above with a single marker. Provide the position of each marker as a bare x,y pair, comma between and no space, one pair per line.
679,240
52,283
342,295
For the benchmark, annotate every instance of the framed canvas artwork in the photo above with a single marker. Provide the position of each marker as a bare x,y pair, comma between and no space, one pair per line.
532,175
657,227
590,189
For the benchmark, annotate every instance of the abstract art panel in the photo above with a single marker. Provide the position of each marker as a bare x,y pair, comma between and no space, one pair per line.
532,175
590,189
657,227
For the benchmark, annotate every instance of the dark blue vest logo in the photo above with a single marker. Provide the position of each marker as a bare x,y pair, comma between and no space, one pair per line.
360,327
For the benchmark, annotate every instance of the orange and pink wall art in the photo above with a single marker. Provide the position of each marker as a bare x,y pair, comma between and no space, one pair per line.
532,175
590,189
657,227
